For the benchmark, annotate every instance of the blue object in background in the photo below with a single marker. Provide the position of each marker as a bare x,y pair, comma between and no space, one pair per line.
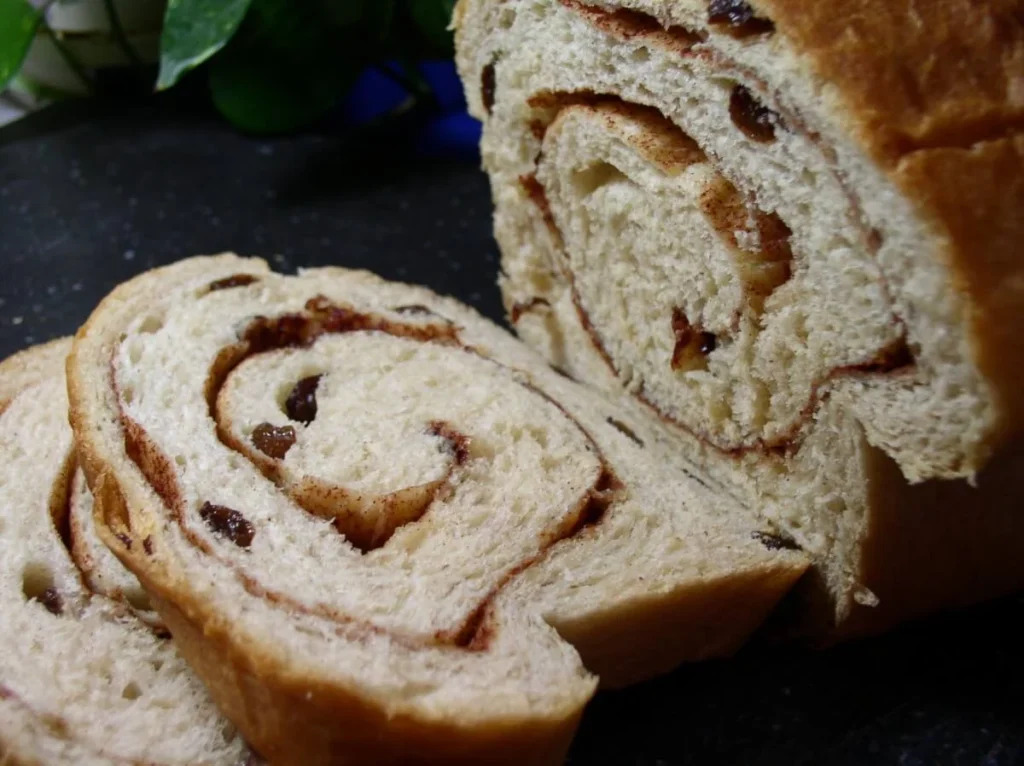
443,128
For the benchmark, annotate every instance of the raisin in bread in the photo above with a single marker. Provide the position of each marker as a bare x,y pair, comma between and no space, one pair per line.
82,679
383,530
791,232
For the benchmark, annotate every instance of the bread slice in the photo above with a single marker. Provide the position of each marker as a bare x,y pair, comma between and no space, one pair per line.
744,215
82,680
384,531
811,204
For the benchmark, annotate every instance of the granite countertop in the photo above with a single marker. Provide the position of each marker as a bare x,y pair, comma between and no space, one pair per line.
91,197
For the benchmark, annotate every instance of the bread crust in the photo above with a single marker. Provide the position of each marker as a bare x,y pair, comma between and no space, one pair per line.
936,545
25,368
974,196
934,93
273,705
911,75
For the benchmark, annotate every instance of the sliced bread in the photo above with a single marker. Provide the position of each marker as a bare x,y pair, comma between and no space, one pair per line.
82,679
382,530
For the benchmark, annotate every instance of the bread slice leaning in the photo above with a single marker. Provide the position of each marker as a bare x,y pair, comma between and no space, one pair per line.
382,530
742,215
83,680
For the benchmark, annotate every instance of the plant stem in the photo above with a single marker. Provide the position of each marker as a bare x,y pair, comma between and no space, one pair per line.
119,34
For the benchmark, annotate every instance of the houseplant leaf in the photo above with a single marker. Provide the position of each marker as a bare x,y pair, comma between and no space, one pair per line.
263,96
287,66
194,30
18,24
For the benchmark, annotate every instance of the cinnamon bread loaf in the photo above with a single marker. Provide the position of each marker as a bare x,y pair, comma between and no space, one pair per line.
82,679
791,231
384,531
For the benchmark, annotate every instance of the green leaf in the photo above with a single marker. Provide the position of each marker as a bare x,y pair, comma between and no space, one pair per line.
18,24
263,95
432,18
292,61
194,30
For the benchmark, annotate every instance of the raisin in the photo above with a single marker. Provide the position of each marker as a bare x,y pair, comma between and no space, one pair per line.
238,280
692,343
757,121
456,444
229,523
488,85
147,544
52,600
707,343
273,441
738,19
776,542
301,403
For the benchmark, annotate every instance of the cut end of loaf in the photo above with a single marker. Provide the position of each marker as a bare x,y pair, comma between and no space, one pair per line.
832,269
439,497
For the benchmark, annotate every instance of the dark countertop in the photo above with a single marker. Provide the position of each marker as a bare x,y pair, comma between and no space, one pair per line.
91,197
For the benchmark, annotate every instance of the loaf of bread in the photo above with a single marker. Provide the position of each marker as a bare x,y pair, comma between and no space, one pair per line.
382,530
83,680
791,231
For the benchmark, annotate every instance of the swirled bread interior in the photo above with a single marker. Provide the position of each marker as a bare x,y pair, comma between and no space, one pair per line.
743,240
742,215
365,501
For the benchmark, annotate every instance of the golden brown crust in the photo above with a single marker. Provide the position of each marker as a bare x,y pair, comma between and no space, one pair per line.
692,627
939,544
974,197
30,366
914,75
934,92
269,706
923,548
